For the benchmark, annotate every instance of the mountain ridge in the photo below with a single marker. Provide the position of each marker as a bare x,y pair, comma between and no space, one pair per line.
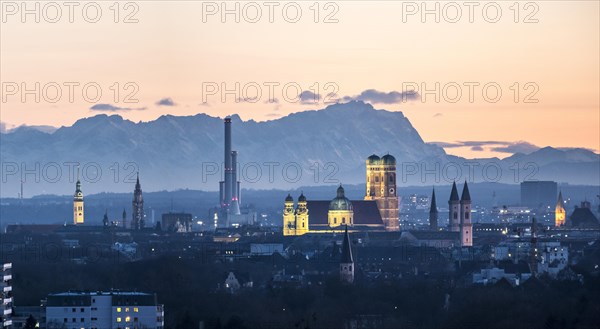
174,152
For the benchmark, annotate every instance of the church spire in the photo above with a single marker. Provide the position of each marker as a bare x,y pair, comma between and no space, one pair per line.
346,261
346,250
454,193
466,196
433,207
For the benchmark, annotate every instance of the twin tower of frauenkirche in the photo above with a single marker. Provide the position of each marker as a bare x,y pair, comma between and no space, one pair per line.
381,187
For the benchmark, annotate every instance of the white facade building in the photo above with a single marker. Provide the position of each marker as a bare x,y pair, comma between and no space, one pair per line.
104,310
6,300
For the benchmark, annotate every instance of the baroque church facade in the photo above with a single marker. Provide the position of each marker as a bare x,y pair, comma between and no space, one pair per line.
377,212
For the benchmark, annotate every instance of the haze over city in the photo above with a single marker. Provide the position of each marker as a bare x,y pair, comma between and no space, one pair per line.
353,164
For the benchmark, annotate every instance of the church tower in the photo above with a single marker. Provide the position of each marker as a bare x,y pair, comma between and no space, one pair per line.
137,216
453,211
301,216
559,212
466,227
289,218
381,187
340,211
433,213
346,262
78,204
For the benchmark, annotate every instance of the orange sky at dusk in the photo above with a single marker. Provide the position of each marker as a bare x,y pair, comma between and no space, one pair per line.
171,53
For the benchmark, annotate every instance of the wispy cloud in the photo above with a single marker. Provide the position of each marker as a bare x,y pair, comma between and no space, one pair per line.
113,108
308,97
380,97
437,115
494,146
166,102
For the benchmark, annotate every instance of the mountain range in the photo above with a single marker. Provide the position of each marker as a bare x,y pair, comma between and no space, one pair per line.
317,147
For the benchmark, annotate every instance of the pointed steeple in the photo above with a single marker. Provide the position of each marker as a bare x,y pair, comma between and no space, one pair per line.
346,250
560,201
454,193
433,207
466,196
137,182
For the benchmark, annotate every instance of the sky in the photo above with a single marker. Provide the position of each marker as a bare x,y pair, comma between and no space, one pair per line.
506,77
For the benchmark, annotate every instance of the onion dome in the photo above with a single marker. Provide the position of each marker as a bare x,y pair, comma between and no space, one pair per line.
302,198
373,159
388,160
289,198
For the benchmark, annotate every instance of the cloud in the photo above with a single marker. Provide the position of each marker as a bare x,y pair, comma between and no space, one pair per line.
437,115
516,147
374,96
308,97
112,108
494,146
272,101
166,102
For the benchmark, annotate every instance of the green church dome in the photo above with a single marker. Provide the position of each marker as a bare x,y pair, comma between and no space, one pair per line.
388,160
340,202
373,159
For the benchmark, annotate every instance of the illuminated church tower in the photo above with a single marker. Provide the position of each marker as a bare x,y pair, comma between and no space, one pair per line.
137,219
466,227
289,218
346,261
559,212
78,204
301,216
453,211
340,211
381,187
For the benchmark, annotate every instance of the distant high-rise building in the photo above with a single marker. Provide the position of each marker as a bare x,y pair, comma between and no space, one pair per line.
346,261
106,310
105,219
560,215
6,295
78,204
466,226
381,187
433,213
179,222
533,249
538,194
453,210
137,215
124,218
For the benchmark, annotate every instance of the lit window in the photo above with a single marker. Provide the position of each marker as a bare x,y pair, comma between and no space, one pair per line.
127,319
118,319
118,310
126,309
135,309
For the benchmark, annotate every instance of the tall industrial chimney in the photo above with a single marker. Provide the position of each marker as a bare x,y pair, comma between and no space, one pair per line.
235,205
228,164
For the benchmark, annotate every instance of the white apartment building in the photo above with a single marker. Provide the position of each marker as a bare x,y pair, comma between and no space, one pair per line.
6,299
104,310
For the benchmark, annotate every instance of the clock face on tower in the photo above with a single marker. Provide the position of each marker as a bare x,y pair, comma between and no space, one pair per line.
392,190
